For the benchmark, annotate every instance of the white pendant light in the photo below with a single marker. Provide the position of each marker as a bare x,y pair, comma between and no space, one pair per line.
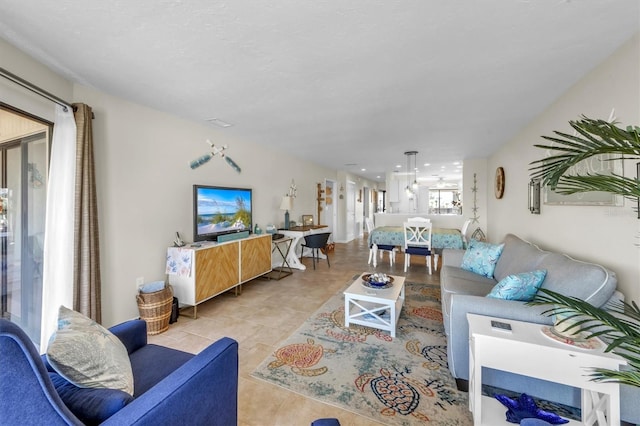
412,187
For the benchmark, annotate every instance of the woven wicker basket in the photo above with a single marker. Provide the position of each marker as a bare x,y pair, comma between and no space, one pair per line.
155,309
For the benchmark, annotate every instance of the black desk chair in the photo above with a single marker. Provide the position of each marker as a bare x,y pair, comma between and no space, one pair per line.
315,242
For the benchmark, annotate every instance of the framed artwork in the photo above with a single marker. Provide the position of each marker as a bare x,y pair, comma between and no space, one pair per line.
307,220
604,164
638,177
534,196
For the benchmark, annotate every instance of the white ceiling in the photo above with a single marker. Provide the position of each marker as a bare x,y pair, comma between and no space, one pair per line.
347,84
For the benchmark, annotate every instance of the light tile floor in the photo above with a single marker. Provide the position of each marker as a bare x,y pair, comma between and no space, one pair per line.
269,311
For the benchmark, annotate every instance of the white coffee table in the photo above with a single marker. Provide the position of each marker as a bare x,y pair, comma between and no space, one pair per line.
526,350
367,306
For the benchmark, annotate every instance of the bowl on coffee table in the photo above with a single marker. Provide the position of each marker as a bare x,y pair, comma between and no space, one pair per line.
377,280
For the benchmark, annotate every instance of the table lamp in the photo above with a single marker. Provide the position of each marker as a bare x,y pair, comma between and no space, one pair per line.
286,206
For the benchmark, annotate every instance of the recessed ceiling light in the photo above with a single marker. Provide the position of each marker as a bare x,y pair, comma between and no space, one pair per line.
455,163
218,122
427,164
398,166
377,177
363,170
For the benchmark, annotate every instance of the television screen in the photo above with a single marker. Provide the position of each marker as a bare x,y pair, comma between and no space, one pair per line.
220,210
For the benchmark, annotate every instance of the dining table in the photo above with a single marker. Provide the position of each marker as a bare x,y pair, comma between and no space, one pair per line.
441,238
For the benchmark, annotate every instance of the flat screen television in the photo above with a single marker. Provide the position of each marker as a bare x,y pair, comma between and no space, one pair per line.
219,210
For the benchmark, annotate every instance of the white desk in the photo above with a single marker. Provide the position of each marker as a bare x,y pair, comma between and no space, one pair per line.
298,233
527,351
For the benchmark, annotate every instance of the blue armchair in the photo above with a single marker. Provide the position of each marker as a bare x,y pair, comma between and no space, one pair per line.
171,387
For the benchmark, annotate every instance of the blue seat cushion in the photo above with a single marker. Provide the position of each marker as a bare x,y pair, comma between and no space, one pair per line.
329,421
91,405
530,421
385,247
152,363
419,251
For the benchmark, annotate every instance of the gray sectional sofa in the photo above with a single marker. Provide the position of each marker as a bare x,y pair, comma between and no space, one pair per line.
464,292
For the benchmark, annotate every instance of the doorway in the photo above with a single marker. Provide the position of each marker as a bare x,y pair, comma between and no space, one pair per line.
329,206
23,191
366,207
351,210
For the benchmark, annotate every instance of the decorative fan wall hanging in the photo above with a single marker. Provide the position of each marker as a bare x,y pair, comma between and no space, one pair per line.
219,151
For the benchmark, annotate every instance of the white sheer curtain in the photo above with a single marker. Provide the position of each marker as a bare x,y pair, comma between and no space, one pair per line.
58,237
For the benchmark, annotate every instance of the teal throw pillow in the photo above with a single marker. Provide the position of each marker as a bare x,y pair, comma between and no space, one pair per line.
522,287
88,355
481,257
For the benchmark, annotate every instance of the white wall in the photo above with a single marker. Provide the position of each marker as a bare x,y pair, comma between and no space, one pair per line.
595,233
144,180
145,188
25,67
145,183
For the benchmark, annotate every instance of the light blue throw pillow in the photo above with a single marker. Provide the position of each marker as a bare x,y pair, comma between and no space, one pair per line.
152,287
522,287
481,257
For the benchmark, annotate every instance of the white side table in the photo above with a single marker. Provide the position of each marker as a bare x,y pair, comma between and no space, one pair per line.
281,267
527,351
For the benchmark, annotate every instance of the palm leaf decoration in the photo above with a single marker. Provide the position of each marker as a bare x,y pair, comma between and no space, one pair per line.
619,328
592,138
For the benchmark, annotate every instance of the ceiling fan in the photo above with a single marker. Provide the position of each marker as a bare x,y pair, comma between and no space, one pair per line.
442,184
215,150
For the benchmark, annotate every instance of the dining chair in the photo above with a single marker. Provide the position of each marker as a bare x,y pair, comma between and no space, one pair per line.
436,256
316,242
368,223
381,247
418,219
464,230
417,241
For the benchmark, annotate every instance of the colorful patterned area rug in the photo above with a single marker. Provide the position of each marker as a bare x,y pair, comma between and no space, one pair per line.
394,381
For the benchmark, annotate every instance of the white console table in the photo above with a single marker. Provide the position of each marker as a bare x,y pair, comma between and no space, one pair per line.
527,351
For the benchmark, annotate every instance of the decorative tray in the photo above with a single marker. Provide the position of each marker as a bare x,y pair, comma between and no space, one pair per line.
370,281
592,343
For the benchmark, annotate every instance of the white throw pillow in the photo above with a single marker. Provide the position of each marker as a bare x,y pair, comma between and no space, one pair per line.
88,355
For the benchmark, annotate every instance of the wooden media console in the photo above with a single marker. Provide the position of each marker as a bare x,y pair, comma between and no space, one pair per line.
219,267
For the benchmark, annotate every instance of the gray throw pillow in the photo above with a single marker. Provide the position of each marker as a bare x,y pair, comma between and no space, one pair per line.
88,355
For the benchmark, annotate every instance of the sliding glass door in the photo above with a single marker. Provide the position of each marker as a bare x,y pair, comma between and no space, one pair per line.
23,170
